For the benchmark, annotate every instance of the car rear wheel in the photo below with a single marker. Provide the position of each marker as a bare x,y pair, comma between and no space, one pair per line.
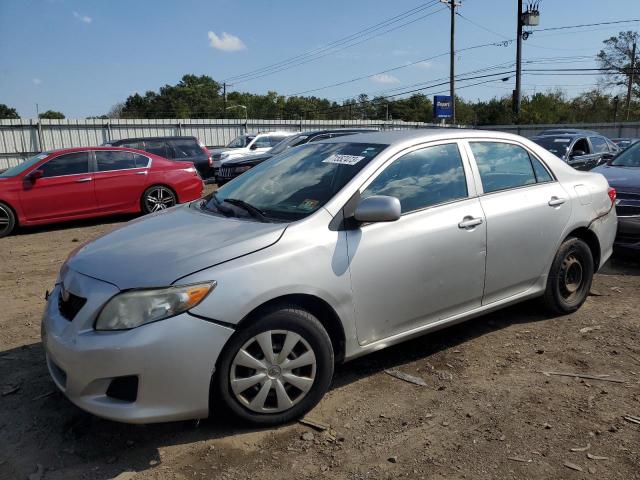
570,277
157,198
7,220
277,369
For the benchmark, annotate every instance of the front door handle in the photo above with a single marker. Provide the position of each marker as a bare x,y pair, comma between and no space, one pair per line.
470,222
84,180
556,201
141,173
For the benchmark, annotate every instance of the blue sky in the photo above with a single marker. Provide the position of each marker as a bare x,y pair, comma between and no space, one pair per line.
81,57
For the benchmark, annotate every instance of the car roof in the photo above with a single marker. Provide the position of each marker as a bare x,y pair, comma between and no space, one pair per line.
563,135
397,137
337,130
570,131
106,147
138,139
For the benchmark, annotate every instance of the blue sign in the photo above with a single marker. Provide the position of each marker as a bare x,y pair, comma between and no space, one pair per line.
442,106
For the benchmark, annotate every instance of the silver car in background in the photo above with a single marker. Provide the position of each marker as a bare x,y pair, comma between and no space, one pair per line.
331,250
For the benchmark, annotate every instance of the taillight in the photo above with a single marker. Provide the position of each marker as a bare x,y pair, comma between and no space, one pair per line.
210,161
612,195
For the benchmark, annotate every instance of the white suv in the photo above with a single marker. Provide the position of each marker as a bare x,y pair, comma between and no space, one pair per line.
247,144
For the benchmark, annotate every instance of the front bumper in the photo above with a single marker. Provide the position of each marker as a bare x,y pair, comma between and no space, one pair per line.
173,359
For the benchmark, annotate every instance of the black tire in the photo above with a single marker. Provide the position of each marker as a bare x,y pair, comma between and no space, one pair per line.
289,319
7,220
570,277
150,202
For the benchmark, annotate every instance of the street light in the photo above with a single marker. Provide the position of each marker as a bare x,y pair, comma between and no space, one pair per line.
246,119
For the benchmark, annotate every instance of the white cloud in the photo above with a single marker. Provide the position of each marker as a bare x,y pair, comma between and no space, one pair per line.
37,81
384,78
83,18
226,42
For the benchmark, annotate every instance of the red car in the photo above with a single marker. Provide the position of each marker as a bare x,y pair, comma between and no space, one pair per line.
89,182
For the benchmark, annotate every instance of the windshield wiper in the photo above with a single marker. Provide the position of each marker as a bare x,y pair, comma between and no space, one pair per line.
253,211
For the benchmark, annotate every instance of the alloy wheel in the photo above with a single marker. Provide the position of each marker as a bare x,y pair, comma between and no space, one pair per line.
273,371
5,220
159,198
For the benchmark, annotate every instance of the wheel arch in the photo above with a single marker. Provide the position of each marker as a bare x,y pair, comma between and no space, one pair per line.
591,239
318,307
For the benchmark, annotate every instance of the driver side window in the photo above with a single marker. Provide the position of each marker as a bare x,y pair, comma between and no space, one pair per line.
581,146
423,178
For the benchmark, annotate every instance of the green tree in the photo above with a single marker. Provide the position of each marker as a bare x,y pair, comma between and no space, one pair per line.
52,115
8,112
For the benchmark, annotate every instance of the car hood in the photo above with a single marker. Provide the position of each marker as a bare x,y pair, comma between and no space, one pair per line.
159,249
627,178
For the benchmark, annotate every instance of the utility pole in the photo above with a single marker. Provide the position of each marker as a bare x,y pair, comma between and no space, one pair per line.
616,101
452,58
517,92
224,96
631,75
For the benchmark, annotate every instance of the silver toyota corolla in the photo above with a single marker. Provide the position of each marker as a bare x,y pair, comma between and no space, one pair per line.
246,299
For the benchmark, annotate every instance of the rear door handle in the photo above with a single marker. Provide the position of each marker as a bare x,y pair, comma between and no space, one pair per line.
141,173
556,201
470,222
84,180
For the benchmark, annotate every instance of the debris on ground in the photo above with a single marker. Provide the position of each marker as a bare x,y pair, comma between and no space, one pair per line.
581,449
393,459
319,426
589,329
307,437
616,289
519,459
43,395
406,377
591,456
632,419
573,466
603,378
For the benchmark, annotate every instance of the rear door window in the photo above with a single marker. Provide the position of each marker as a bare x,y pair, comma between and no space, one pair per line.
157,147
423,178
186,148
581,145
107,160
69,164
599,145
502,165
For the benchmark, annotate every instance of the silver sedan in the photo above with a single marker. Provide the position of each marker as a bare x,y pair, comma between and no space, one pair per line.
248,298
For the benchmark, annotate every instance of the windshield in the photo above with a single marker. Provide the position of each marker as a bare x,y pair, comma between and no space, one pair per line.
556,145
241,141
21,167
629,157
288,143
298,182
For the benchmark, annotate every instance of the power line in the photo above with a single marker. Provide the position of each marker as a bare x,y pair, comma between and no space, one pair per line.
343,43
564,27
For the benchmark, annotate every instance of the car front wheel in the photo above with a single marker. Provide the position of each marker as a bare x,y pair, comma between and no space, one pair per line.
570,277
277,369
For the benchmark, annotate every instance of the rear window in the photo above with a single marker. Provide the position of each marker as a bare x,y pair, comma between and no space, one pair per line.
502,165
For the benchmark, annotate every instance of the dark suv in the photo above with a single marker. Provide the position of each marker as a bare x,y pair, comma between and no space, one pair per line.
582,149
233,168
187,149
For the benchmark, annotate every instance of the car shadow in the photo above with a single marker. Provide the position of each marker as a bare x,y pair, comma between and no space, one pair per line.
622,262
70,225
79,440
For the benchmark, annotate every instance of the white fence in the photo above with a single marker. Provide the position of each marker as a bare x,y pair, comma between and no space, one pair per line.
22,138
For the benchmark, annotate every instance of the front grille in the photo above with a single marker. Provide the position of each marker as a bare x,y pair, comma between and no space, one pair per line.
226,172
627,210
627,204
70,306
628,196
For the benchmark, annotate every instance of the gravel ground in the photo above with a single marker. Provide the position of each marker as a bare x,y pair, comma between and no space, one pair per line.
486,411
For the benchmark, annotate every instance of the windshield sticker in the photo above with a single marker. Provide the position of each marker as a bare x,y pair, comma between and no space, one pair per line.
562,140
308,204
343,159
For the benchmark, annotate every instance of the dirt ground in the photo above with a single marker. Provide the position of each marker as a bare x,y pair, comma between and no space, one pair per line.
487,410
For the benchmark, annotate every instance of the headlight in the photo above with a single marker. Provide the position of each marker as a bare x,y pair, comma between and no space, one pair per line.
137,307
224,156
241,169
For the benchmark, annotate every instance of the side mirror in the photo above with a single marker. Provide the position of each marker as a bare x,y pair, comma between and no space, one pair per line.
35,175
577,153
378,208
